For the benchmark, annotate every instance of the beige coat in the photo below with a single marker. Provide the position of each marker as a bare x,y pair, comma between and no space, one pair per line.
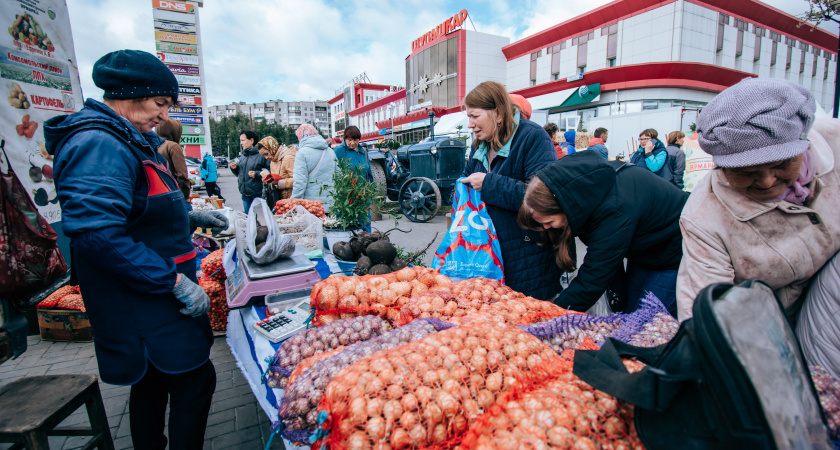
728,237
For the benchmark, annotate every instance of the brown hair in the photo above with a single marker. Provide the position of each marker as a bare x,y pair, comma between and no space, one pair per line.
672,138
540,199
352,132
494,98
649,132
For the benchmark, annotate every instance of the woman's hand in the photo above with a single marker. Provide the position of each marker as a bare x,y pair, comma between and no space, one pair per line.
233,165
649,147
251,173
475,180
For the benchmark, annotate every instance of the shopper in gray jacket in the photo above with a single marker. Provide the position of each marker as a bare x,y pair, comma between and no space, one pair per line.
314,167
675,165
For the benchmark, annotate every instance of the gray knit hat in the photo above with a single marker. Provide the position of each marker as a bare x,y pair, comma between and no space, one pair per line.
124,74
757,121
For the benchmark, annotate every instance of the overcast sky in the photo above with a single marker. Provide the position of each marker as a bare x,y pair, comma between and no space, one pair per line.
257,50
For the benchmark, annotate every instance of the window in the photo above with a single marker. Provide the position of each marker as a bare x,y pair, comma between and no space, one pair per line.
612,44
814,68
611,62
720,32
825,70
723,18
759,33
742,25
581,55
650,104
581,69
773,50
789,56
802,62
739,43
534,57
555,58
605,31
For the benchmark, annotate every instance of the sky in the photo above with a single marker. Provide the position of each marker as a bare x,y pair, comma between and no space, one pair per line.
259,50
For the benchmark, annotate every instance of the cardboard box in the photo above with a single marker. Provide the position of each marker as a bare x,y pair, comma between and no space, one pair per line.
67,325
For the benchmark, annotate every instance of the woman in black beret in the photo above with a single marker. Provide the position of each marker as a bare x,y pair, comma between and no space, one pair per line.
130,234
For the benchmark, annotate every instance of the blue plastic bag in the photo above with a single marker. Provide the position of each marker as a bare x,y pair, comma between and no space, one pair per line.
471,246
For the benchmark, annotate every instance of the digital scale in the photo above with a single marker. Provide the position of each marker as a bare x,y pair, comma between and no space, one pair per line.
251,281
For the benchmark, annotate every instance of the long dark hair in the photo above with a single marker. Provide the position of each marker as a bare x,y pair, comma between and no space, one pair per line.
540,199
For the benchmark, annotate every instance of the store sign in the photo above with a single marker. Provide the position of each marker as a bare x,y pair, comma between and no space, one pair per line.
398,128
177,48
175,37
420,106
192,140
173,6
194,130
172,16
175,58
178,69
185,79
189,100
189,120
339,116
384,131
191,110
178,27
450,24
189,90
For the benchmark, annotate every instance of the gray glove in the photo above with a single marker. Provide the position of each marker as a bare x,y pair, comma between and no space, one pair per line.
192,296
216,221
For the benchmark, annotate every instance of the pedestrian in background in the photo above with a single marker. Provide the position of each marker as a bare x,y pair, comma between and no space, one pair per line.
651,154
676,159
170,131
350,151
522,104
314,166
248,167
554,133
598,142
210,175
568,145
508,150
268,147
282,170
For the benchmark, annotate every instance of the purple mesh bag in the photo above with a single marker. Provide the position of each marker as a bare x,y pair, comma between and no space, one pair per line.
298,413
828,390
318,340
649,326
569,331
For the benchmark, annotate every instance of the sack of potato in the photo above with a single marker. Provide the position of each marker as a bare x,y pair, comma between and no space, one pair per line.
340,297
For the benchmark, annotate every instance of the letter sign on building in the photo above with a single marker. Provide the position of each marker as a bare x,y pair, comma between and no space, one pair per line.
450,24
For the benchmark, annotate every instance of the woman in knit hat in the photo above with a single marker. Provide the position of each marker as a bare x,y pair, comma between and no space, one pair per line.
282,170
135,262
771,209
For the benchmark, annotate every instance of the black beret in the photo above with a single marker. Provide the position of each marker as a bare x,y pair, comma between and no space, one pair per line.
127,74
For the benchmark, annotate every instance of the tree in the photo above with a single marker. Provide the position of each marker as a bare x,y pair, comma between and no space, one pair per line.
820,11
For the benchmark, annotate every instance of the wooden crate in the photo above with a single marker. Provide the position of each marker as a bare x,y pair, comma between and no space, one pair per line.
67,325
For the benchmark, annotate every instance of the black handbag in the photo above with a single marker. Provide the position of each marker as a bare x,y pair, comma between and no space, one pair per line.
733,377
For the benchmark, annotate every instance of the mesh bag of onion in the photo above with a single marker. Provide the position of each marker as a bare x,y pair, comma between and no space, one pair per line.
423,394
649,326
565,413
307,363
211,266
569,331
57,296
319,340
218,312
297,409
340,297
482,298
828,389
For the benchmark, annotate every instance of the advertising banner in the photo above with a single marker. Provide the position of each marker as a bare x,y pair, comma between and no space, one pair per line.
193,130
178,69
178,27
189,100
189,90
40,79
175,37
185,79
177,58
177,48
191,110
189,120
173,6
172,16
192,140
697,162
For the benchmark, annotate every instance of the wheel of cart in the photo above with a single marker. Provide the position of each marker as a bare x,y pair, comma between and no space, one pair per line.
419,199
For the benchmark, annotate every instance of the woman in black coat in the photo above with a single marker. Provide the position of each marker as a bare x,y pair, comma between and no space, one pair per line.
509,150
619,211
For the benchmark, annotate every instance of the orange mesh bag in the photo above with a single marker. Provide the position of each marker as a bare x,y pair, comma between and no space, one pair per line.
71,301
565,413
211,266
424,394
460,302
218,312
319,340
315,207
340,297
57,295
307,363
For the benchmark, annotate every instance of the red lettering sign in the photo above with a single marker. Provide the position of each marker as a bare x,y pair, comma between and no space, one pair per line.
38,76
447,26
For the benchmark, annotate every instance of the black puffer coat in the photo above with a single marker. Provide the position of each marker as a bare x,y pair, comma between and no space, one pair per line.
250,160
630,213
529,267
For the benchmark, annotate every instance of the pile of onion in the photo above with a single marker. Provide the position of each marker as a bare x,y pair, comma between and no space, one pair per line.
426,393
340,297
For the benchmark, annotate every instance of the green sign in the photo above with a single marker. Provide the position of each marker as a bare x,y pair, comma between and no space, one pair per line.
194,130
177,48
192,140
583,94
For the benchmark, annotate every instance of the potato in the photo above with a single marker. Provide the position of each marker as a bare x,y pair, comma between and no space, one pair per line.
14,102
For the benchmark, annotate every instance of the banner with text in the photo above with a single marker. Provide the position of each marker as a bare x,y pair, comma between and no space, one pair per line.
177,58
173,16
175,37
177,48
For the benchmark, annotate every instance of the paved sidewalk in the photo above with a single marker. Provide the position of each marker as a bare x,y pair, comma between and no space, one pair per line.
236,420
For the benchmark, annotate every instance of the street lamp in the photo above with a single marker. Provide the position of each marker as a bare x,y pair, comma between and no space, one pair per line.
391,107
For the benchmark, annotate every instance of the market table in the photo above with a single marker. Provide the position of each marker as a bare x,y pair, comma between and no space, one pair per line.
251,349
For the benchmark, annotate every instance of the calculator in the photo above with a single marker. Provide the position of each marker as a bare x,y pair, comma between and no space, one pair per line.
282,325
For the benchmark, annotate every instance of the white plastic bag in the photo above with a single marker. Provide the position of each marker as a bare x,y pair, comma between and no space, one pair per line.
276,245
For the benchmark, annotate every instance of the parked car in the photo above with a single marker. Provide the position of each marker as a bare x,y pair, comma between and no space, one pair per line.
193,167
221,161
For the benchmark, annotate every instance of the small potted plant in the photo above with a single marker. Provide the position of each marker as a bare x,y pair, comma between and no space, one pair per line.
352,197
